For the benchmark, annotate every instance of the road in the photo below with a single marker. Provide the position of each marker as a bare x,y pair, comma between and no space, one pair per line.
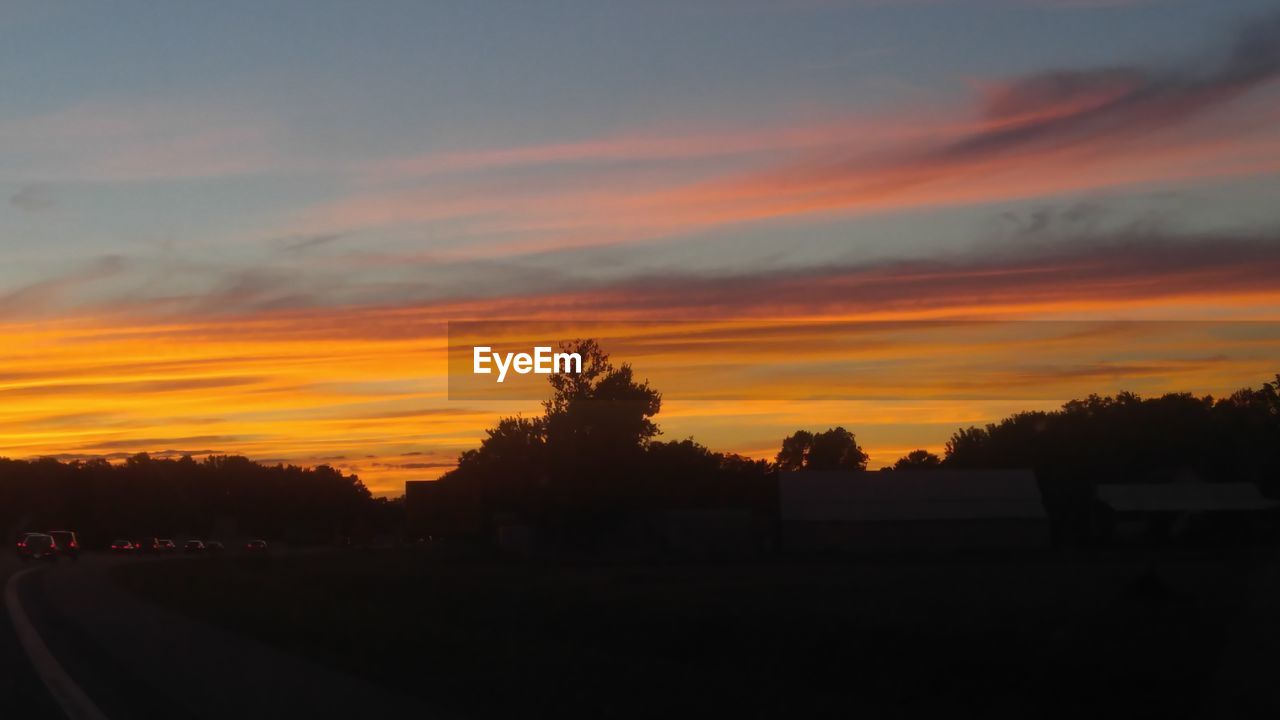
137,661
24,695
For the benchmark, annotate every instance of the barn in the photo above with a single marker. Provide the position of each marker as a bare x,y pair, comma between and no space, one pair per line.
911,510
1189,506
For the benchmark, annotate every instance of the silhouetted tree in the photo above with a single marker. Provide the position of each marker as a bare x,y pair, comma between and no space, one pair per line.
795,450
580,464
591,461
835,449
917,460
602,412
685,474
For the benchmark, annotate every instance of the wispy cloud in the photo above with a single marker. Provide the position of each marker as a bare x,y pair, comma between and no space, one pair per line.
138,140
53,293
308,242
32,198
1049,132
1053,267
1063,108
1079,273
650,147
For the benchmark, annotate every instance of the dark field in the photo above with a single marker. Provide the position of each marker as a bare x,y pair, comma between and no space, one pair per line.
1127,634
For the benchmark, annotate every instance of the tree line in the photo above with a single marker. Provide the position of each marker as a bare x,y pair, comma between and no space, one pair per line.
1105,438
146,496
593,456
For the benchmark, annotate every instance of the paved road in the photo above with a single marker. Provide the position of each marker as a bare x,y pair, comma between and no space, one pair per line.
138,661
22,694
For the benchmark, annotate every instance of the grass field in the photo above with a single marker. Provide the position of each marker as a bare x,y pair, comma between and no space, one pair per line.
1130,634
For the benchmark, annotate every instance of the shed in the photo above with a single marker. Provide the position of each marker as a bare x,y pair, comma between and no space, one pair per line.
923,509
1191,508
1183,497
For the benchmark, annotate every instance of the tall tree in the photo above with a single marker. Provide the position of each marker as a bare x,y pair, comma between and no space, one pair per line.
600,415
834,449
795,449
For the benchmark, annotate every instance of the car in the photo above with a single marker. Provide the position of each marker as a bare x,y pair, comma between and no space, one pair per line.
147,546
37,546
166,545
193,546
21,544
123,547
68,543
256,546
213,546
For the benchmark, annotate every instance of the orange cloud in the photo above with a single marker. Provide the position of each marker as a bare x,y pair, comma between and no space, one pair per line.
365,389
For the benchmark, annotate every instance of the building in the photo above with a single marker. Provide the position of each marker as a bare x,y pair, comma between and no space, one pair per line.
1189,505
911,510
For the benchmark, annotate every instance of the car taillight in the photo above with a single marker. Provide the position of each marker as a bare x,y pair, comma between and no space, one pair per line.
22,544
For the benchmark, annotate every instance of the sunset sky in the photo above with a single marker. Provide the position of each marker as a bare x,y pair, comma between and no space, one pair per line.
243,227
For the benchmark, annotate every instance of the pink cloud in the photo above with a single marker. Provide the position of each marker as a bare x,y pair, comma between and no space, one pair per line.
1043,134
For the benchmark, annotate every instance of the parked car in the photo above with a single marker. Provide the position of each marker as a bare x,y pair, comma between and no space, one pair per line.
213,546
256,546
123,547
37,546
166,545
146,546
193,546
68,543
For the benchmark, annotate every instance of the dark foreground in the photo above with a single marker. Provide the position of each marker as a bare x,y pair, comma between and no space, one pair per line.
135,660
1125,634
22,694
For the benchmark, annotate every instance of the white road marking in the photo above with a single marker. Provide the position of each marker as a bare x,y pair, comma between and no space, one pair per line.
64,690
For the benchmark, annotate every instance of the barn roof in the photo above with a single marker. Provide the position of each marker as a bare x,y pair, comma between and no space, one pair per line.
1183,497
909,495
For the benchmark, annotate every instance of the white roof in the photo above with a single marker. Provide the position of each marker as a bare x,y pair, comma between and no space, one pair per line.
909,495
1183,497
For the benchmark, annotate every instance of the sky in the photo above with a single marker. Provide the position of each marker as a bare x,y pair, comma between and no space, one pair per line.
244,227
